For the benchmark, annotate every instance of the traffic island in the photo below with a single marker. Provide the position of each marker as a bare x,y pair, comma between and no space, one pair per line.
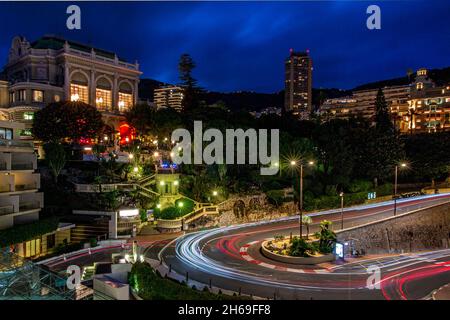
267,249
298,250
443,293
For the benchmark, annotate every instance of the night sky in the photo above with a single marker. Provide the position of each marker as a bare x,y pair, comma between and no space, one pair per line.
242,45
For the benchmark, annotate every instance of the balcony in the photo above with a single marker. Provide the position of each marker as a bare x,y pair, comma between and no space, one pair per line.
25,187
22,166
5,188
4,210
16,144
29,205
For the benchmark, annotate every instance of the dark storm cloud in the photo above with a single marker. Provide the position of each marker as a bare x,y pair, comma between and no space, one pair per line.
241,45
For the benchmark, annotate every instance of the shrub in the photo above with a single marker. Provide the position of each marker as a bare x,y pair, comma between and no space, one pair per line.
359,186
150,286
300,248
326,236
93,242
188,206
275,197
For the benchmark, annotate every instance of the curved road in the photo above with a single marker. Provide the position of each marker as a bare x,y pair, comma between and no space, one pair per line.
229,257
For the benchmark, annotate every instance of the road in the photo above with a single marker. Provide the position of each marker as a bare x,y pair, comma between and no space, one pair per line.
229,257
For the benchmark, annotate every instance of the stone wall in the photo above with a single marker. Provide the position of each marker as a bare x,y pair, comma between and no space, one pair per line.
251,208
423,229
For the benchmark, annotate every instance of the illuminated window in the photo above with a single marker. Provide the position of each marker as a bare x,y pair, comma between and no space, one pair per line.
38,96
79,93
102,99
25,133
12,97
419,86
125,101
6,133
28,115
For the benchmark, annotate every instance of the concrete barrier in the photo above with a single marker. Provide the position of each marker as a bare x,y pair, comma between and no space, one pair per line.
422,229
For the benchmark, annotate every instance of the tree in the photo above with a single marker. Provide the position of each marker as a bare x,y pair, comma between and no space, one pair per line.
326,237
306,220
67,120
191,89
111,200
382,114
142,117
56,158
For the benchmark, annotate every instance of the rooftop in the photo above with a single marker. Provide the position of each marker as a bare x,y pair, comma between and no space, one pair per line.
57,43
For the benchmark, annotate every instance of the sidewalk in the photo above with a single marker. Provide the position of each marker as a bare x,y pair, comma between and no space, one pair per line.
443,293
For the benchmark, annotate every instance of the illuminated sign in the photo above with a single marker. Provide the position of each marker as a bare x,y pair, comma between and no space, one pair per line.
339,250
129,213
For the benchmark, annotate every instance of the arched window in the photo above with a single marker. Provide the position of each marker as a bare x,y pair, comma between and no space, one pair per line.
79,87
103,95
125,96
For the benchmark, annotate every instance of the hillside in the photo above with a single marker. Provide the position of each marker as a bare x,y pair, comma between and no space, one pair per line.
254,101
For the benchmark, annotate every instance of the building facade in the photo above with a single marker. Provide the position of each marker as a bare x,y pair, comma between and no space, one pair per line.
427,110
419,107
169,97
52,69
298,84
362,102
20,201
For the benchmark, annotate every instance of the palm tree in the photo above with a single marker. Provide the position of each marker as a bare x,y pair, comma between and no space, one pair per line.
306,220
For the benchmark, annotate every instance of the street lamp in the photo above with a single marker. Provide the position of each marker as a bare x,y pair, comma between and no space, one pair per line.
342,209
300,202
215,193
402,165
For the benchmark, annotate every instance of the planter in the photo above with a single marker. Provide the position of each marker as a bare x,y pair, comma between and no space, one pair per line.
295,260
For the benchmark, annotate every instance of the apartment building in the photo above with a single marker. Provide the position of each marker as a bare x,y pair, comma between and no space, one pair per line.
169,97
298,84
20,201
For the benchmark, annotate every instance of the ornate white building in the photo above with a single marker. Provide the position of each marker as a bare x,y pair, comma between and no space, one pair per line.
52,69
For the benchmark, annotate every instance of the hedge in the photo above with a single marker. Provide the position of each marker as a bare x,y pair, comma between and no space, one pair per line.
175,211
150,286
26,232
350,199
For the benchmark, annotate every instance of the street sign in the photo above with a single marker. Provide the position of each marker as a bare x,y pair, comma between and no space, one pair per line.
371,195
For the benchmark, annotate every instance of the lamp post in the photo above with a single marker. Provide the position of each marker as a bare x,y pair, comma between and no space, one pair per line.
402,165
342,209
300,202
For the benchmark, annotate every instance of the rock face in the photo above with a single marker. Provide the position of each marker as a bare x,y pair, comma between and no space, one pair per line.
251,208
423,229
